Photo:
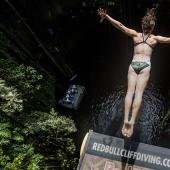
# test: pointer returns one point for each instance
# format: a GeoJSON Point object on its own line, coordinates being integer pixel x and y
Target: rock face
{"type": "Point", "coordinates": [107, 115]}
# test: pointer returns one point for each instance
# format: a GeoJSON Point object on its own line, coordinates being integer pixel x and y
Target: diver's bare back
{"type": "Point", "coordinates": [143, 50]}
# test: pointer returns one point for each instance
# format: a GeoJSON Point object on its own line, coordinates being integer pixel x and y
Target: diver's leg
{"type": "Point", "coordinates": [132, 78]}
{"type": "Point", "coordinates": [141, 84]}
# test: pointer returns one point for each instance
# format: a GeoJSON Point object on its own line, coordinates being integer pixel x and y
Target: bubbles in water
{"type": "Point", "coordinates": [107, 114]}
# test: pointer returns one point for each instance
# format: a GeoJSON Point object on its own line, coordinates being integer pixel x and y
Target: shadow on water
{"type": "Point", "coordinates": [107, 115]}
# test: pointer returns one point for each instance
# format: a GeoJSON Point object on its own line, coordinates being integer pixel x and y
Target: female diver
{"type": "Point", "coordinates": [139, 69]}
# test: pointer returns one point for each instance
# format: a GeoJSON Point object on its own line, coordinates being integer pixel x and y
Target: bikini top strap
{"type": "Point", "coordinates": [149, 44]}
{"type": "Point", "coordinates": [144, 40]}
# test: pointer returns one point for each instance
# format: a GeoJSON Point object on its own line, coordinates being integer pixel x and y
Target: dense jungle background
{"type": "Point", "coordinates": [45, 46]}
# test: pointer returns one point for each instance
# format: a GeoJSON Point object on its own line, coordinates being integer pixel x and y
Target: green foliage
{"type": "Point", "coordinates": [14, 154]}
{"type": "Point", "coordinates": [25, 78]}
{"type": "Point", "coordinates": [53, 133]}
{"type": "Point", "coordinates": [29, 128]}
{"type": "Point", "coordinates": [41, 121]}
{"type": "Point", "coordinates": [35, 87]}
{"type": "Point", "coordinates": [11, 100]}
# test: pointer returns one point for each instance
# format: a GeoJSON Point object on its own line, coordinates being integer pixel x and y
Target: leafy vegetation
{"type": "Point", "coordinates": [31, 131]}
{"type": "Point", "coordinates": [11, 100]}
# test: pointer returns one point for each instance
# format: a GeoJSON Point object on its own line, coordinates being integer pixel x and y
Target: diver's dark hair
{"type": "Point", "coordinates": [150, 17]}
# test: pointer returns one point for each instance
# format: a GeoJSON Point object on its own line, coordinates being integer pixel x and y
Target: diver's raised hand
{"type": "Point", "coordinates": [102, 13]}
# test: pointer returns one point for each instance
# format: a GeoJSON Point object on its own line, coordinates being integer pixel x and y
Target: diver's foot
{"type": "Point", "coordinates": [130, 132]}
{"type": "Point", "coordinates": [127, 129]}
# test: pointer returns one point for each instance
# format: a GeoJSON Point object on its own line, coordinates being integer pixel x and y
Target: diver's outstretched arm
{"type": "Point", "coordinates": [161, 39]}
{"type": "Point", "coordinates": [103, 14]}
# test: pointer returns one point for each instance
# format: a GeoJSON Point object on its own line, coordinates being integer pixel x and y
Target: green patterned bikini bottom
{"type": "Point", "coordinates": [139, 65]}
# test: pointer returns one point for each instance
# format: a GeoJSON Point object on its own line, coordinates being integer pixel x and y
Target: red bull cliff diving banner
{"type": "Point", "coordinates": [101, 152]}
